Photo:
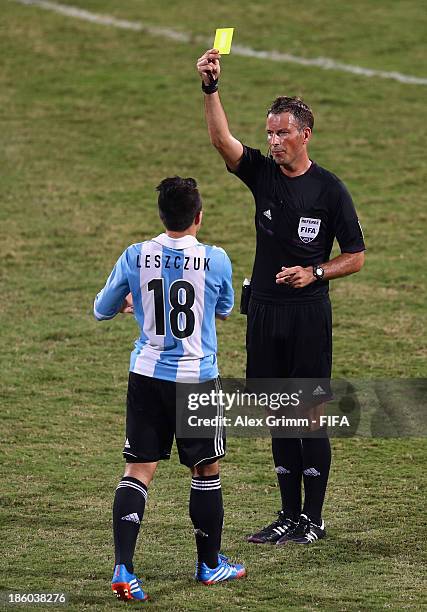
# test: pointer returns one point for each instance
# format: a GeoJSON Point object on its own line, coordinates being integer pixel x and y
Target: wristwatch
{"type": "Point", "coordinates": [318, 272]}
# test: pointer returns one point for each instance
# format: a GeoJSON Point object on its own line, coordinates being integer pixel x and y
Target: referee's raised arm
{"type": "Point", "coordinates": [231, 150]}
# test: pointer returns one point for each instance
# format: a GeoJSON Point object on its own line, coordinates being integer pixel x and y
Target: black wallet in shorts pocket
{"type": "Point", "coordinates": [246, 294]}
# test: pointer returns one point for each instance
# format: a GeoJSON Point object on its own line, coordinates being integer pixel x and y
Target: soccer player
{"type": "Point", "coordinates": [177, 287]}
{"type": "Point", "coordinates": [300, 209]}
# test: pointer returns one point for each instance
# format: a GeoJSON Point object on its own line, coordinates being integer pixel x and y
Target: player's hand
{"type": "Point", "coordinates": [127, 306]}
{"type": "Point", "coordinates": [296, 277]}
{"type": "Point", "coordinates": [208, 65]}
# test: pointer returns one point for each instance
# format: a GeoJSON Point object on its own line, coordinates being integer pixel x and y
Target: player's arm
{"type": "Point", "coordinates": [342, 265]}
{"type": "Point", "coordinates": [225, 301]}
{"type": "Point", "coordinates": [112, 299]}
{"type": "Point", "coordinates": [127, 306]}
{"type": "Point", "coordinates": [231, 150]}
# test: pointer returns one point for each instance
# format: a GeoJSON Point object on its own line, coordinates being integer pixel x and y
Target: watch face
{"type": "Point", "coordinates": [319, 272]}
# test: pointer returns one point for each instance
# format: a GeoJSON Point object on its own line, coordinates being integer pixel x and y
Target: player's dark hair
{"type": "Point", "coordinates": [302, 113]}
{"type": "Point", "coordinates": [179, 202]}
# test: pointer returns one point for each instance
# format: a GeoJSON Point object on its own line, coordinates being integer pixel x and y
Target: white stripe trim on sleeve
{"type": "Point", "coordinates": [98, 315]}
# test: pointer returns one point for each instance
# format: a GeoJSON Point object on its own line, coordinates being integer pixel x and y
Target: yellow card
{"type": "Point", "coordinates": [223, 38]}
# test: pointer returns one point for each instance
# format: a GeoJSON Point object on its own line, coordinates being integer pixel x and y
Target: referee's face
{"type": "Point", "coordinates": [287, 143]}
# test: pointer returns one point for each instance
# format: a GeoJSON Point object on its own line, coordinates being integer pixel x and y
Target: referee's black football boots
{"type": "Point", "coordinates": [273, 532]}
{"type": "Point", "coordinates": [306, 532]}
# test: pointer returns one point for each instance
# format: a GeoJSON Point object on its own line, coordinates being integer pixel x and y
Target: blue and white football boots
{"type": "Point", "coordinates": [127, 586]}
{"type": "Point", "coordinates": [221, 573]}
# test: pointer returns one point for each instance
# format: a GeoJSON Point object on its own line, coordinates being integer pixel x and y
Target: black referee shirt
{"type": "Point", "coordinates": [296, 221]}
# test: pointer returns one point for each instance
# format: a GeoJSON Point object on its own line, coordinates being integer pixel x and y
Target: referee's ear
{"type": "Point", "coordinates": [307, 134]}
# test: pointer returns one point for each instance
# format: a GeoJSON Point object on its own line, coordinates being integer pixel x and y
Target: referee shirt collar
{"type": "Point", "coordinates": [176, 243]}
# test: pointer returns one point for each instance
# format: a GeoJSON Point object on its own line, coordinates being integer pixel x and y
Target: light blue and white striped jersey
{"type": "Point", "coordinates": [178, 285]}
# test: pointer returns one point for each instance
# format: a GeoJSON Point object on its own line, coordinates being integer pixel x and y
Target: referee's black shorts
{"type": "Point", "coordinates": [151, 424]}
{"type": "Point", "coordinates": [292, 340]}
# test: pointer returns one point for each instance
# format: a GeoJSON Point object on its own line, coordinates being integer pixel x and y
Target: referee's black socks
{"type": "Point", "coordinates": [128, 510]}
{"type": "Point", "coordinates": [307, 459]}
{"type": "Point", "coordinates": [207, 515]}
{"type": "Point", "coordinates": [287, 455]}
{"type": "Point", "coordinates": [316, 454]}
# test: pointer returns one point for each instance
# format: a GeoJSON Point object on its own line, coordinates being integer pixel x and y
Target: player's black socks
{"type": "Point", "coordinates": [316, 461]}
{"type": "Point", "coordinates": [128, 510]}
{"type": "Point", "coordinates": [287, 455]}
{"type": "Point", "coordinates": [207, 514]}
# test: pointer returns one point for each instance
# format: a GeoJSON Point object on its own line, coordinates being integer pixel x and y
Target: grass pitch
{"type": "Point", "coordinates": [91, 119]}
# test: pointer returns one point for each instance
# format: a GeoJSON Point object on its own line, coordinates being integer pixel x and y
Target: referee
{"type": "Point", "coordinates": [300, 209]}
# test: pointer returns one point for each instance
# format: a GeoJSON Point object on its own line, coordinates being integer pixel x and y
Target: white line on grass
{"type": "Point", "coordinates": [275, 56]}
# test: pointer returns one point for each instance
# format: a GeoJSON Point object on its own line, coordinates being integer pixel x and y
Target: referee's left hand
{"type": "Point", "coordinates": [296, 277]}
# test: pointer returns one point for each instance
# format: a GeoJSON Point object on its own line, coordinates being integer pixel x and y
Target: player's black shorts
{"type": "Point", "coordinates": [292, 340]}
{"type": "Point", "coordinates": [151, 424]}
